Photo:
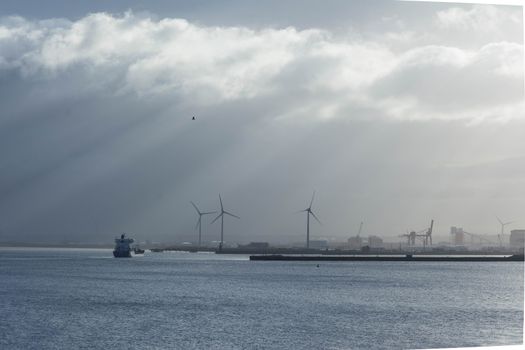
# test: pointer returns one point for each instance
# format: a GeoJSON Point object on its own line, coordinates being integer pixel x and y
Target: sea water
{"type": "Point", "coordinates": [86, 299]}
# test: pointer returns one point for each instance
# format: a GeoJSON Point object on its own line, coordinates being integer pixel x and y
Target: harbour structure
{"type": "Point", "coordinates": [411, 238]}
{"type": "Point", "coordinates": [476, 238]}
{"type": "Point", "coordinates": [319, 244]}
{"type": "Point", "coordinates": [458, 235]}
{"type": "Point", "coordinates": [407, 257]}
{"type": "Point", "coordinates": [255, 245]}
{"type": "Point", "coordinates": [122, 247]}
{"type": "Point", "coordinates": [355, 243]}
{"type": "Point", "coordinates": [221, 216]}
{"type": "Point", "coordinates": [375, 242]}
{"type": "Point", "coordinates": [427, 236]}
{"type": "Point", "coordinates": [424, 235]}
{"type": "Point", "coordinates": [308, 213]}
{"type": "Point", "coordinates": [199, 221]}
{"type": "Point", "coordinates": [517, 239]}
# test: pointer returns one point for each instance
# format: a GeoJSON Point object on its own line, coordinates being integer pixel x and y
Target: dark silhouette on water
{"type": "Point", "coordinates": [122, 247]}
{"type": "Point", "coordinates": [407, 257]}
{"type": "Point", "coordinates": [137, 250]}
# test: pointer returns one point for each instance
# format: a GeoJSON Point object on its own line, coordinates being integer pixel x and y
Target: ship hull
{"type": "Point", "coordinates": [121, 254]}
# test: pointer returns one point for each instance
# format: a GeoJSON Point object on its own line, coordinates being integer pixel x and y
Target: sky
{"type": "Point", "coordinates": [395, 113]}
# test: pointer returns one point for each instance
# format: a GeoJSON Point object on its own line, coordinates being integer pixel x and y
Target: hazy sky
{"type": "Point", "coordinates": [394, 112]}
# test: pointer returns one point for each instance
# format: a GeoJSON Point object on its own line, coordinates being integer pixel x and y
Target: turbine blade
{"type": "Point", "coordinates": [198, 223]}
{"type": "Point", "coordinates": [312, 201]}
{"type": "Point", "coordinates": [315, 217]}
{"type": "Point", "coordinates": [230, 214]}
{"type": "Point", "coordinates": [216, 218]}
{"type": "Point", "coordinates": [208, 212]}
{"type": "Point", "coordinates": [195, 207]}
{"type": "Point", "coordinates": [220, 200]}
{"type": "Point", "coordinates": [501, 222]}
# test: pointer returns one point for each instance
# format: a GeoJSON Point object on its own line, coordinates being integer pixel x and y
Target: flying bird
{"type": "Point", "coordinates": [193, 118]}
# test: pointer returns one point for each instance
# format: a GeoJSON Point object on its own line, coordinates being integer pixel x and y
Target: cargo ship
{"type": "Point", "coordinates": [122, 247]}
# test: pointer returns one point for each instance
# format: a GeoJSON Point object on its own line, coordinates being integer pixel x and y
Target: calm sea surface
{"type": "Point", "coordinates": [86, 299]}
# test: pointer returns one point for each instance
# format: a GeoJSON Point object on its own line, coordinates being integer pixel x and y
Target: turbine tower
{"type": "Point", "coordinates": [221, 215]}
{"type": "Point", "coordinates": [503, 224]}
{"type": "Point", "coordinates": [199, 221]}
{"type": "Point", "coordinates": [308, 213]}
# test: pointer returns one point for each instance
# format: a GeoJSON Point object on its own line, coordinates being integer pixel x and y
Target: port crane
{"type": "Point", "coordinates": [411, 237]}
{"type": "Point", "coordinates": [427, 236]}
{"type": "Point", "coordinates": [424, 235]}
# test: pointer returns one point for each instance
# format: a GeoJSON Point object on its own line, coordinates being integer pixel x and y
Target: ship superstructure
{"type": "Point", "coordinates": [122, 247]}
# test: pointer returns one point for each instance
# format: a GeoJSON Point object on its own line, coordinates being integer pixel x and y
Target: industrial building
{"type": "Point", "coordinates": [255, 245]}
{"type": "Point", "coordinates": [355, 243]}
{"type": "Point", "coordinates": [375, 242]}
{"type": "Point", "coordinates": [319, 244]}
{"type": "Point", "coordinates": [458, 235]}
{"type": "Point", "coordinates": [517, 239]}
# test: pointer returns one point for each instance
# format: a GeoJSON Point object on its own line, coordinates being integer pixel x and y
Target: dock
{"type": "Point", "coordinates": [471, 258]}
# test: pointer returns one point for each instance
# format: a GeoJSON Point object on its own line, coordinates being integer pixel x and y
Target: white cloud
{"type": "Point", "coordinates": [209, 65]}
{"type": "Point", "coordinates": [484, 18]}
{"type": "Point", "coordinates": [227, 62]}
{"type": "Point", "coordinates": [503, 58]}
{"type": "Point", "coordinates": [450, 83]}
{"type": "Point", "coordinates": [478, 25]}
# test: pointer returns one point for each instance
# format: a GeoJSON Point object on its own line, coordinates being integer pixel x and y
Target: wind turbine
{"type": "Point", "coordinates": [221, 215]}
{"type": "Point", "coordinates": [199, 222]}
{"type": "Point", "coordinates": [503, 224]}
{"type": "Point", "coordinates": [308, 213]}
